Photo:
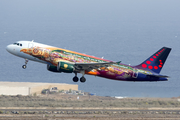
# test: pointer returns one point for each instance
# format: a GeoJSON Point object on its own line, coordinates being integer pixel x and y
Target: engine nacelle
{"type": "Point", "coordinates": [65, 67]}
{"type": "Point", "coordinates": [52, 68]}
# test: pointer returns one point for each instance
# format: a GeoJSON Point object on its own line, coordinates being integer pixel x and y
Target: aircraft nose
{"type": "Point", "coordinates": [10, 49]}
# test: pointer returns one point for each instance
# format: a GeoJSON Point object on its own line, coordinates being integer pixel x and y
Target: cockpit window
{"type": "Point", "coordinates": [18, 44]}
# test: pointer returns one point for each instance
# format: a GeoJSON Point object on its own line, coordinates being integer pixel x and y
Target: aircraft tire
{"type": "Point", "coordinates": [24, 66]}
{"type": "Point", "coordinates": [83, 79]}
{"type": "Point", "coordinates": [75, 79]}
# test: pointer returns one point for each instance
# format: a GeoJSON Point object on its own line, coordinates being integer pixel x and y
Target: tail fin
{"type": "Point", "coordinates": [156, 61]}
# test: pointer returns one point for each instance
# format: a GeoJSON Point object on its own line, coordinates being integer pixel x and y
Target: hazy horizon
{"type": "Point", "coordinates": [128, 31]}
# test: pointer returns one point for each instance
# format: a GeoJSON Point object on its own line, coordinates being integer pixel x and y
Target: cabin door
{"type": "Point", "coordinates": [135, 73]}
{"type": "Point", "coordinates": [30, 44]}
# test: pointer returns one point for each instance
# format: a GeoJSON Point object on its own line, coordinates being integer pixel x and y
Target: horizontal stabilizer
{"type": "Point", "coordinates": [159, 76]}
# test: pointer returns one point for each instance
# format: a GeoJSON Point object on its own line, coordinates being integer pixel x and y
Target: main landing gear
{"type": "Point", "coordinates": [75, 78]}
{"type": "Point", "coordinates": [82, 79]}
{"type": "Point", "coordinates": [24, 66]}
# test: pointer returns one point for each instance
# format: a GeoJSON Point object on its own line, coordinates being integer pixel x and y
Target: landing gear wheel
{"type": "Point", "coordinates": [24, 66]}
{"type": "Point", "coordinates": [75, 79]}
{"type": "Point", "coordinates": [83, 79]}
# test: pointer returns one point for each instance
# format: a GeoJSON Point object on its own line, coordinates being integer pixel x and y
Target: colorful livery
{"type": "Point", "coordinates": [62, 60]}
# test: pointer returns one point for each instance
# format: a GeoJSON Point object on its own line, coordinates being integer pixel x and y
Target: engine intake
{"type": "Point", "coordinates": [52, 68]}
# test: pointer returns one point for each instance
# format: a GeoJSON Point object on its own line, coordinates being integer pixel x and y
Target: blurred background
{"type": "Point", "coordinates": [128, 31]}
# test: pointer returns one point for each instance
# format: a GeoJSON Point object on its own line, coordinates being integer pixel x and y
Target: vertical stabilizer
{"type": "Point", "coordinates": [156, 61]}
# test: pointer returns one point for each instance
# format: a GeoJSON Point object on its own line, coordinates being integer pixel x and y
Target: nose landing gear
{"type": "Point", "coordinates": [24, 66]}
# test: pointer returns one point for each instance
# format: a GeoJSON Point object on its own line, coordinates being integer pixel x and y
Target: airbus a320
{"type": "Point", "coordinates": [62, 60]}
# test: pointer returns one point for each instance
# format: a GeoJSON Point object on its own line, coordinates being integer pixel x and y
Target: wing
{"type": "Point", "coordinates": [91, 66]}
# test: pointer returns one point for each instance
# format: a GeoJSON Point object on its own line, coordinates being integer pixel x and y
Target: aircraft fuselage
{"type": "Point", "coordinates": [62, 60]}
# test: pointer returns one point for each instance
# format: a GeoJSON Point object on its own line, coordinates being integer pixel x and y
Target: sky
{"type": "Point", "coordinates": [119, 30]}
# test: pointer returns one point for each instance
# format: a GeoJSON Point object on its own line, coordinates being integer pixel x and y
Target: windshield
{"type": "Point", "coordinates": [18, 44]}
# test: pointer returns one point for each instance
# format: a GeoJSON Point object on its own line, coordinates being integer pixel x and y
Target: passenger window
{"type": "Point", "coordinates": [20, 44]}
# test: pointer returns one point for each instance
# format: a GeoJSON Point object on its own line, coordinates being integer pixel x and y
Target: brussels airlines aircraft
{"type": "Point", "coordinates": [62, 60]}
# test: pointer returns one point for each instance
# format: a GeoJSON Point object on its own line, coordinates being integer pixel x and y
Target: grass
{"type": "Point", "coordinates": [37, 101]}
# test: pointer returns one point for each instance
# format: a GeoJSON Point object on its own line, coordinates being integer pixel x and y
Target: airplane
{"type": "Point", "coordinates": [62, 60]}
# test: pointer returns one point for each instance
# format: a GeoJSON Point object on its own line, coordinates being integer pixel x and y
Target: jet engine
{"type": "Point", "coordinates": [65, 67]}
{"type": "Point", "coordinates": [52, 68]}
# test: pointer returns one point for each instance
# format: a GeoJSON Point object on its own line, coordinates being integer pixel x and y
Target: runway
{"type": "Point", "coordinates": [89, 113]}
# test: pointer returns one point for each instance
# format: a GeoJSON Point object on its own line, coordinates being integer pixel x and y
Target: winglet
{"type": "Point", "coordinates": [118, 62]}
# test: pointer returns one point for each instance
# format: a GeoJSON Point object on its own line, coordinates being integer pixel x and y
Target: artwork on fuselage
{"type": "Point", "coordinates": [55, 55]}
